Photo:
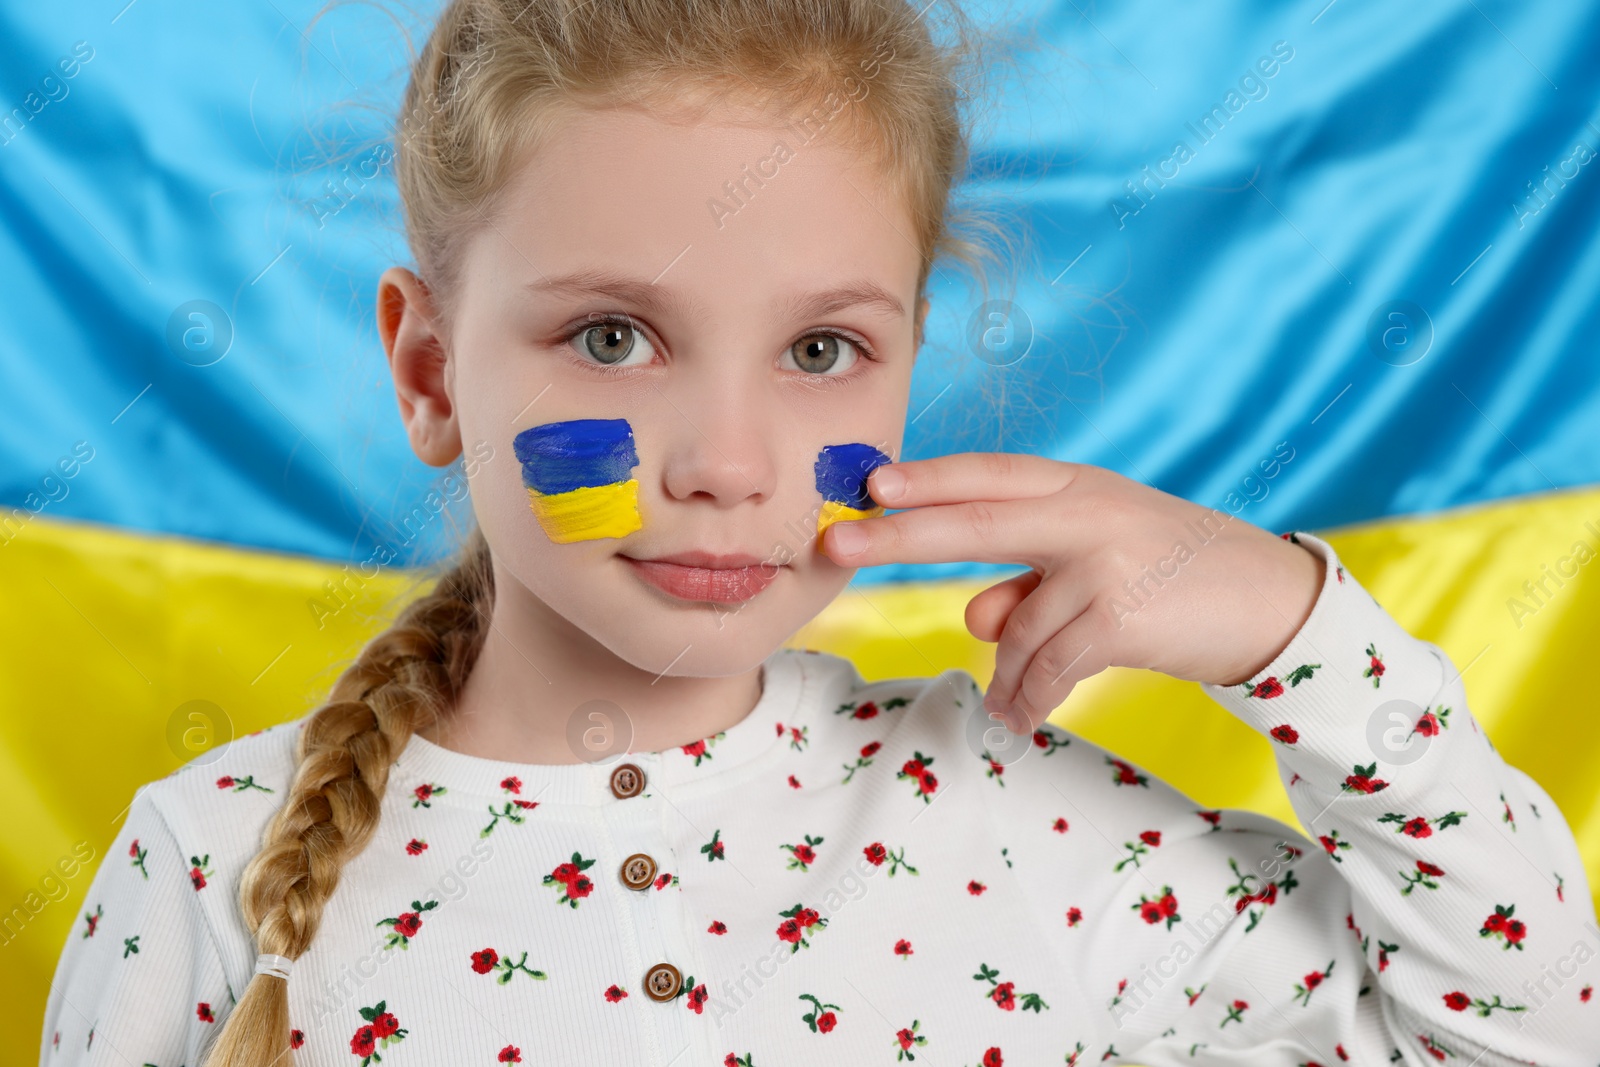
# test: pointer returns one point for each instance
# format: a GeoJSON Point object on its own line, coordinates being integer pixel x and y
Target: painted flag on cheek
{"type": "Point", "coordinates": [579, 478]}
{"type": "Point", "coordinates": [842, 480]}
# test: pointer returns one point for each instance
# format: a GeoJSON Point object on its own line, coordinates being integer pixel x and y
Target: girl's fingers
{"type": "Point", "coordinates": [1032, 624]}
{"type": "Point", "coordinates": [1080, 650]}
{"type": "Point", "coordinates": [969, 476]}
{"type": "Point", "coordinates": [983, 531]}
{"type": "Point", "coordinates": [987, 612]}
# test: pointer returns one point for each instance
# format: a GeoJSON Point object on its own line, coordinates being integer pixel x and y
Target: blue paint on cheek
{"type": "Point", "coordinates": [842, 474]}
{"type": "Point", "coordinates": [559, 457]}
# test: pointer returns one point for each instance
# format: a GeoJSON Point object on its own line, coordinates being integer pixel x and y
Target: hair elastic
{"type": "Point", "coordinates": [277, 966]}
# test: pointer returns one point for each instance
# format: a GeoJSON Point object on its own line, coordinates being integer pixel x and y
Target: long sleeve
{"type": "Point", "coordinates": [139, 980]}
{"type": "Point", "coordinates": [1440, 915]}
{"type": "Point", "coordinates": [1457, 875]}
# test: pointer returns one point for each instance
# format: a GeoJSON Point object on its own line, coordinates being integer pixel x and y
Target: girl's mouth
{"type": "Point", "coordinates": [702, 576]}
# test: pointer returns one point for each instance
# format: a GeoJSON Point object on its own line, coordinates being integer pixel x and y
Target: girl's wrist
{"type": "Point", "coordinates": [1292, 590]}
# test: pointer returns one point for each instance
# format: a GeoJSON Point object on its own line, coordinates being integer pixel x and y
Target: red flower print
{"type": "Point", "coordinates": [364, 1044]}
{"type": "Point", "coordinates": [794, 783]}
{"type": "Point", "coordinates": [416, 846]}
{"type": "Point", "coordinates": [976, 887]}
{"type": "Point", "coordinates": [712, 850]}
{"type": "Point", "coordinates": [876, 853]}
{"type": "Point", "coordinates": [512, 784]}
{"type": "Point", "coordinates": [991, 1058]}
{"type": "Point", "coordinates": [1303, 988]}
{"type": "Point", "coordinates": [198, 871]}
{"type": "Point", "coordinates": [382, 1030]}
{"type": "Point", "coordinates": [1364, 780]}
{"type": "Point", "coordinates": [203, 1010]}
{"type": "Point", "coordinates": [406, 925]}
{"type": "Point", "coordinates": [1285, 734]}
{"type": "Point", "coordinates": [1150, 837]}
{"type": "Point", "coordinates": [484, 960]}
{"type": "Point", "coordinates": [615, 993]}
{"type": "Point", "coordinates": [297, 1038]}
{"type": "Point", "coordinates": [1267, 688]}
{"type": "Point", "coordinates": [803, 855]}
{"type": "Point", "coordinates": [1457, 1001]}
{"type": "Point", "coordinates": [870, 749]}
{"type": "Point", "coordinates": [821, 1017]}
{"type": "Point", "coordinates": [1074, 916]}
{"type": "Point", "coordinates": [1212, 817]}
{"type": "Point", "coordinates": [663, 880]}
{"type": "Point", "coordinates": [799, 923]}
{"type": "Point", "coordinates": [1417, 827]}
{"type": "Point", "coordinates": [1375, 667]}
{"type": "Point", "coordinates": [575, 884]}
{"type": "Point", "coordinates": [697, 749]}
{"type": "Point", "coordinates": [1424, 876]}
{"type": "Point", "coordinates": [902, 948]}
{"type": "Point", "coordinates": [1585, 993]}
{"type": "Point", "coordinates": [1163, 908]}
{"type": "Point", "coordinates": [509, 1054]}
{"type": "Point", "coordinates": [224, 782]}
{"type": "Point", "coordinates": [424, 793]}
{"type": "Point", "coordinates": [133, 849]}
{"type": "Point", "coordinates": [717, 927]}
{"type": "Point", "coordinates": [696, 1000]}
{"type": "Point", "coordinates": [1126, 774]}
{"type": "Point", "coordinates": [916, 769]}
{"type": "Point", "coordinates": [868, 710]}
{"type": "Point", "coordinates": [1004, 996]}
{"type": "Point", "coordinates": [1060, 826]}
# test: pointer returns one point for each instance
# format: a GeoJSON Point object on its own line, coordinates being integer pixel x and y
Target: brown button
{"type": "Point", "coordinates": [626, 781]}
{"type": "Point", "coordinates": [662, 982]}
{"type": "Point", "coordinates": [638, 871]}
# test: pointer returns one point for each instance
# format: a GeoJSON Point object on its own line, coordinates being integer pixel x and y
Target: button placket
{"type": "Point", "coordinates": [663, 977]}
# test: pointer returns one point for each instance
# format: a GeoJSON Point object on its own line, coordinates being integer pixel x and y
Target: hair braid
{"type": "Point", "coordinates": [404, 679]}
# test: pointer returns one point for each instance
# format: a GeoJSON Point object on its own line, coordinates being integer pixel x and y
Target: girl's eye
{"type": "Point", "coordinates": [823, 354]}
{"type": "Point", "coordinates": [611, 342]}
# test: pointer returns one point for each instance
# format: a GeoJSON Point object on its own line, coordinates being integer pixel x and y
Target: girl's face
{"type": "Point", "coordinates": [699, 307]}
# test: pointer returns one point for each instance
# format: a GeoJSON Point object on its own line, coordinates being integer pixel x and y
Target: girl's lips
{"type": "Point", "coordinates": [720, 585]}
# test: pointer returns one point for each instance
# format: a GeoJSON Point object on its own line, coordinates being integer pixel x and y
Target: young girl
{"type": "Point", "coordinates": [577, 805]}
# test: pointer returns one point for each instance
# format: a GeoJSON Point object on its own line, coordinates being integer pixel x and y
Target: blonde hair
{"type": "Point", "coordinates": [488, 83]}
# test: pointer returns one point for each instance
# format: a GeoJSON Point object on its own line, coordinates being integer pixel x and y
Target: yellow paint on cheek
{"type": "Point", "coordinates": [588, 513]}
{"type": "Point", "coordinates": [833, 511]}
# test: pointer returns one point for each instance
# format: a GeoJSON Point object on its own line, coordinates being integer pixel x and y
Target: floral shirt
{"type": "Point", "coordinates": [875, 873]}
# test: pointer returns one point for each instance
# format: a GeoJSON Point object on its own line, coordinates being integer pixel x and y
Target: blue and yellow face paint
{"type": "Point", "coordinates": [842, 480]}
{"type": "Point", "coordinates": [578, 478]}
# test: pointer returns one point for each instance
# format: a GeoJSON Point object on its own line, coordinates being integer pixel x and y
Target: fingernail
{"type": "Point", "coordinates": [848, 540]}
{"type": "Point", "coordinates": [887, 483]}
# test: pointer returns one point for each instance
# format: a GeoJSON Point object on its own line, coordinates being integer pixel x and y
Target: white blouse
{"type": "Point", "coordinates": [876, 873]}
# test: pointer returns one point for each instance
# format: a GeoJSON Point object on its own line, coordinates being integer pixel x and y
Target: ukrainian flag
{"type": "Point", "coordinates": [578, 478]}
{"type": "Point", "coordinates": [841, 472]}
{"type": "Point", "coordinates": [1358, 300]}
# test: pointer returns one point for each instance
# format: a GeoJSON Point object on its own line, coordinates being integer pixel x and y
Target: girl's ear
{"type": "Point", "coordinates": [408, 326]}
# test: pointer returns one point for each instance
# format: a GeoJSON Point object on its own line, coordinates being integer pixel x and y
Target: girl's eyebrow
{"type": "Point", "coordinates": [656, 299]}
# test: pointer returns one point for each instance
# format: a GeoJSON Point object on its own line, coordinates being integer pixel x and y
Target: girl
{"type": "Point", "coordinates": [577, 805]}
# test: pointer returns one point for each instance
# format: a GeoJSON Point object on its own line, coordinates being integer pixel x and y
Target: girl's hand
{"type": "Point", "coordinates": [1122, 574]}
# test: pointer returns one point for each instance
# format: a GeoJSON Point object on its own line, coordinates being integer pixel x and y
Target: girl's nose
{"type": "Point", "coordinates": [718, 443]}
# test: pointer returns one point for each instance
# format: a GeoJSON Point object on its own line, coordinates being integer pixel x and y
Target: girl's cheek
{"type": "Point", "coordinates": [579, 478]}
{"type": "Point", "coordinates": [842, 480]}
